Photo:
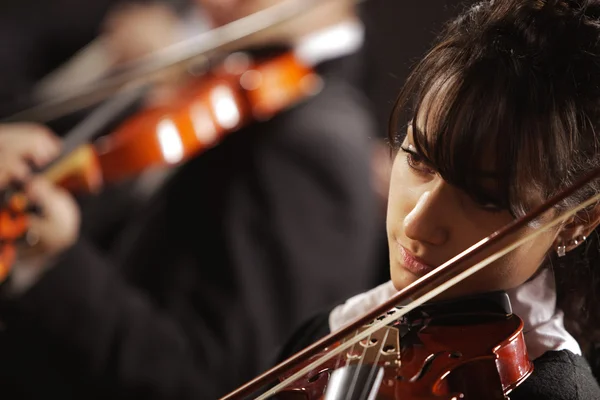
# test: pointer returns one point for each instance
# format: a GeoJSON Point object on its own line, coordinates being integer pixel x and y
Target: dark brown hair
{"type": "Point", "coordinates": [517, 81]}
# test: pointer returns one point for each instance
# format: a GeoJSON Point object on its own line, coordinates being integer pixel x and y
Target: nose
{"type": "Point", "coordinates": [426, 222]}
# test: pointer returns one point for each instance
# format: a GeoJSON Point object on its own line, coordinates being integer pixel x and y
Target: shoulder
{"type": "Point", "coordinates": [559, 375]}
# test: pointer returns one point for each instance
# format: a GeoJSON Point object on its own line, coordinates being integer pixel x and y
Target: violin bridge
{"type": "Point", "coordinates": [381, 347]}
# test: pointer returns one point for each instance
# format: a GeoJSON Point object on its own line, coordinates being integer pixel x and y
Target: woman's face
{"type": "Point", "coordinates": [430, 221]}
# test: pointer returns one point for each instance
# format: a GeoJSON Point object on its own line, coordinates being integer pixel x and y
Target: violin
{"type": "Point", "coordinates": [422, 349]}
{"type": "Point", "coordinates": [428, 354]}
{"type": "Point", "coordinates": [228, 98]}
{"type": "Point", "coordinates": [236, 93]}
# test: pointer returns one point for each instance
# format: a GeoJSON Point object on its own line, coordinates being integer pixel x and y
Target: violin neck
{"type": "Point", "coordinates": [79, 172]}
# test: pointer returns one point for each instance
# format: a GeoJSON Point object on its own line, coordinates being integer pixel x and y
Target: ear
{"type": "Point", "coordinates": [578, 228]}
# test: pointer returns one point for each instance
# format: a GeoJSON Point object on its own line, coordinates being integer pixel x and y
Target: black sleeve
{"type": "Point", "coordinates": [559, 375]}
{"type": "Point", "coordinates": [307, 334]}
{"type": "Point", "coordinates": [95, 332]}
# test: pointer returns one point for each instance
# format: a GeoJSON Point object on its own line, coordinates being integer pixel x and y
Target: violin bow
{"type": "Point", "coordinates": [180, 54]}
{"type": "Point", "coordinates": [439, 280]}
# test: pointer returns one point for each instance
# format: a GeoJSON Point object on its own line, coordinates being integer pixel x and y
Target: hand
{"type": "Point", "coordinates": [21, 146]}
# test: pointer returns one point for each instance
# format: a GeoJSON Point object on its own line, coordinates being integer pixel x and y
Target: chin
{"type": "Point", "coordinates": [401, 278]}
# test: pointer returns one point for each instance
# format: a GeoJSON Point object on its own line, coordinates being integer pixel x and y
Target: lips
{"type": "Point", "coordinates": [412, 263]}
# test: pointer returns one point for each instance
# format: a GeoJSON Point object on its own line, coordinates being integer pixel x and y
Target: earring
{"type": "Point", "coordinates": [561, 250]}
{"type": "Point", "coordinates": [577, 240]}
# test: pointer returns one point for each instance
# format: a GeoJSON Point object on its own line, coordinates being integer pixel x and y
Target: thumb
{"type": "Point", "coordinates": [57, 226]}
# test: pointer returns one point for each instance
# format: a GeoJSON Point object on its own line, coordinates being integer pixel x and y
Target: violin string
{"type": "Point", "coordinates": [359, 365]}
{"type": "Point", "coordinates": [428, 296]}
{"type": "Point", "coordinates": [375, 364]}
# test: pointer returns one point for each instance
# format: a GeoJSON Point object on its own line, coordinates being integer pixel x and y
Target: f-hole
{"type": "Point", "coordinates": [427, 365]}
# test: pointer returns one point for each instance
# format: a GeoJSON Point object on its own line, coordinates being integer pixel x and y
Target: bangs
{"type": "Point", "coordinates": [485, 128]}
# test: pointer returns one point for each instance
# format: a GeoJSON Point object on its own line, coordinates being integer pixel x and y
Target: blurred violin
{"type": "Point", "coordinates": [226, 99]}
{"type": "Point", "coordinates": [452, 350]}
{"type": "Point", "coordinates": [235, 93]}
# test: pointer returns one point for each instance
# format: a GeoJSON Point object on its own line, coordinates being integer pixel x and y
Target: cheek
{"type": "Point", "coordinates": [403, 187]}
{"type": "Point", "coordinates": [530, 256]}
{"type": "Point", "coordinates": [398, 205]}
{"type": "Point", "coordinates": [516, 267]}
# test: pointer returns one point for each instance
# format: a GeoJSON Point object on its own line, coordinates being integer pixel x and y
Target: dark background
{"type": "Point", "coordinates": [399, 32]}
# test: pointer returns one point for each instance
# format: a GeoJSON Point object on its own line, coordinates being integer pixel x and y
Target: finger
{"type": "Point", "coordinates": [44, 146]}
{"type": "Point", "coordinates": [40, 194]}
{"type": "Point", "coordinates": [38, 190]}
{"type": "Point", "coordinates": [46, 196]}
{"type": "Point", "coordinates": [44, 149]}
{"type": "Point", "coordinates": [13, 169]}
{"type": "Point", "coordinates": [33, 142]}
{"type": "Point", "coordinates": [57, 226]}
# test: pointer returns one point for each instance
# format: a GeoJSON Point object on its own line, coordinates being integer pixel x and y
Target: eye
{"type": "Point", "coordinates": [491, 207]}
{"type": "Point", "coordinates": [416, 161]}
{"type": "Point", "coordinates": [489, 204]}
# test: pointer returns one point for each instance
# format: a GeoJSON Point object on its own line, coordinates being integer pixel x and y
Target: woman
{"type": "Point", "coordinates": [501, 114]}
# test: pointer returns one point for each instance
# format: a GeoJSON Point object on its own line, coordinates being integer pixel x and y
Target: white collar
{"type": "Point", "coordinates": [332, 42]}
{"type": "Point", "coordinates": [534, 302]}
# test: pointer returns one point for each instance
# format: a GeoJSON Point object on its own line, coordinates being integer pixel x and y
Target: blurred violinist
{"type": "Point", "coordinates": [501, 114]}
{"type": "Point", "coordinates": [238, 247]}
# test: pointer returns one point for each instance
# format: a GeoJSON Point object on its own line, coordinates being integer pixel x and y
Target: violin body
{"type": "Point", "coordinates": [449, 357]}
{"type": "Point", "coordinates": [226, 99]}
